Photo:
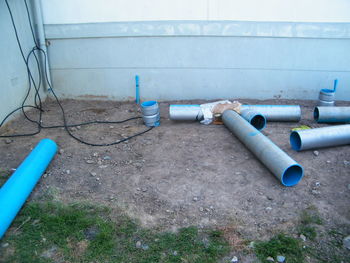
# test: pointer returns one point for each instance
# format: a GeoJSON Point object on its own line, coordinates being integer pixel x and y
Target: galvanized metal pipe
{"type": "Point", "coordinates": [42, 40]}
{"type": "Point", "coordinates": [185, 112]}
{"type": "Point", "coordinates": [332, 114]}
{"type": "Point", "coordinates": [288, 171]}
{"type": "Point", "coordinates": [289, 113]}
{"type": "Point", "coordinates": [320, 137]}
{"type": "Point", "coordinates": [271, 112]}
{"type": "Point", "coordinates": [254, 118]}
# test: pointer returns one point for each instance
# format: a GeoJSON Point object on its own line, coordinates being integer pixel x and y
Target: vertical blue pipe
{"type": "Point", "coordinates": [18, 187]}
{"type": "Point", "coordinates": [335, 85]}
{"type": "Point", "coordinates": [137, 89]}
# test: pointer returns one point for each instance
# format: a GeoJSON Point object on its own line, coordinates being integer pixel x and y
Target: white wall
{"type": "Point", "coordinates": [88, 11]}
{"type": "Point", "coordinates": [13, 73]}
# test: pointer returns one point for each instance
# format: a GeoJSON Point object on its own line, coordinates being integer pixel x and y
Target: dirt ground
{"type": "Point", "coordinates": [183, 173]}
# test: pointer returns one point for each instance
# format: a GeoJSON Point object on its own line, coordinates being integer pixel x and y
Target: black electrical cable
{"type": "Point", "coordinates": [37, 95]}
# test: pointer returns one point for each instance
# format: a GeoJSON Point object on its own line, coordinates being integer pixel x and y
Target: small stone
{"type": "Point", "coordinates": [61, 151]}
{"type": "Point", "coordinates": [138, 189]}
{"type": "Point", "coordinates": [95, 154]}
{"type": "Point", "coordinates": [8, 141]}
{"type": "Point", "coordinates": [78, 127]}
{"type": "Point", "coordinates": [138, 165]}
{"type": "Point", "coordinates": [316, 153]}
{"type": "Point", "coordinates": [102, 138]}
{"type": "Point", "coordinates": [302, 237]}
{"type": "Point", "coordinates": [346, 163]}
{"type": "Point", "coordinates": [89, 161]}
{"type": "Point", "coordinates": [73, 129]}
{"type": "Point", "coordinates": [50, 253]}
{"type": "Point", "coordinates": [346, 242]}
{"type": "Point", "coordinates": [270, 259]}
{"type": "Point", "coordinates": [93, 174]}
{"type": "Point", "coordinates": [195, 198]}
{"type": "Point", "coordinates": [234, 259]}
{"type": "Point", "coordinates": [144, 189]}
{"type": "Point", "coordinates": [328, 161]}
{"type": "Point", "coordinates": [138, 244]}
{"type": "Point", "coordinates": [97, 178]}
{"type": "Point", "coordinates": [268, 208]}
{"type": "Point", "coordinates": [111, 127]}
{"type": "Point", "coordinates": [201, 209]}
{"type": "Point", "coordinates": [145, 247]}
{"type": "Point", "coordinates": [269, 198]}
{"type": "Point", "coordinates": [238, 173]}
{"type": "Point", "coordinates": [4, 245]}
{"type": "Point", "coordinates": [315, 192]}
{"type": "Point", "coordinates": [107, 157]}
{"type": "Point", "coordinates": [280, 259]}
{"type": "Point", "coordinates": [103, 166]}
{"type": "Point", "coordinates": [251, 244]}
{"type": "Point", "coordinates": [67, 171]}
{"type": "Point", "coordinates": [175, 253]}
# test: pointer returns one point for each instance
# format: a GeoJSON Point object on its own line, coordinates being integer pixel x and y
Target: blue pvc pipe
{"type": "Point", "coordinates": [18, 187]}
{"type": "Point", "coordinates": [137, 92]}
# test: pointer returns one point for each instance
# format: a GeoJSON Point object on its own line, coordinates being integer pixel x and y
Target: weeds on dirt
{"type": "Point", "coordinates": [51, 232]}
{"type": "Point", "coordinates": [280, 244]}
{"type": "Point", "coordinates": [4, 175]}
{"type": "Point", "coordinates": [309, 218]}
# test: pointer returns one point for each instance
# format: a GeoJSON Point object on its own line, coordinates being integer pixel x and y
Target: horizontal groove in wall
{"type": "Point", "coordinates": [199, 28]}
{"type": "Point", "coordinates": [201, 68]}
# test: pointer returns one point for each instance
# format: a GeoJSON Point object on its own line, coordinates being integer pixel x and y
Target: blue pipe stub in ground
{"type": "Point", "coordinates": [18, 187]}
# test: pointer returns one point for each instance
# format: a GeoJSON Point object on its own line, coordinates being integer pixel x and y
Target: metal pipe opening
{"type": "Point", "coordinates": [292, 175]}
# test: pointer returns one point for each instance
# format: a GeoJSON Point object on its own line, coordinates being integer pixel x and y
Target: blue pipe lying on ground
{"type": "Point", "coordinates": [18, 187]}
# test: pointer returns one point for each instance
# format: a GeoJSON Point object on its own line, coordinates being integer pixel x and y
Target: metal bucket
{"type": "Point", "coordinates": [326, 98]}
{"type": "Point", "coordinates": [152, 120]}
{"type": "Point", "coordinates": [149, 108]}
{"type": "Point", "coordinates": [325, 103]}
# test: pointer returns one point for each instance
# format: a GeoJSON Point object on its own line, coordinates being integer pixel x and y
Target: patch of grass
{"type": "Point", "coordinates": [310, 216]}
{"type": "Point", "coordinates": [51, 232]}
{"type": "Point", "coordinates": [280, 244]}
{"type": "Point", "coordinates": [330, 247]}
{"type": "Point", "coordinates": [308, 231]}
{"type": "Point", "coordinates": [308, 219]}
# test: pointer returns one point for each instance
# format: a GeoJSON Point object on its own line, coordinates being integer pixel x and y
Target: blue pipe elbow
{"type": "Point", "coordinates": [18, 187]}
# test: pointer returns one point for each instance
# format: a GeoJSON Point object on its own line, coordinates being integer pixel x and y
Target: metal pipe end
{"type": "Point", "coordinates": [295, 141]}
{"type": "Point", "coordinates": [258, 121]}
{"type": "Point", "coordinates": [292, 175]}
{"type": "Point", "coordinates": [316, 114]}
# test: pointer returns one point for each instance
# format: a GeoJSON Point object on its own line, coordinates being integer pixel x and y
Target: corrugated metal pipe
{"type": "Point", "coordinates": [332, 114]}
{"type": "Point", "coordinates": [291, 113]}
{"type": "Point", "coordinates": [287, 171]}
{"type": "Point", "coordinates": [320, 137]}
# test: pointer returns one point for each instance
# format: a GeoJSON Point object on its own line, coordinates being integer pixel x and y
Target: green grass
{"type": "Point", "coordinates": [51, 232]}
{"type": "Point", "coordinates": [280, 244]}
{"type": "Point", "coordinates": [309, 219]}
{"type": "Point", "coordinates": [310, 216]}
